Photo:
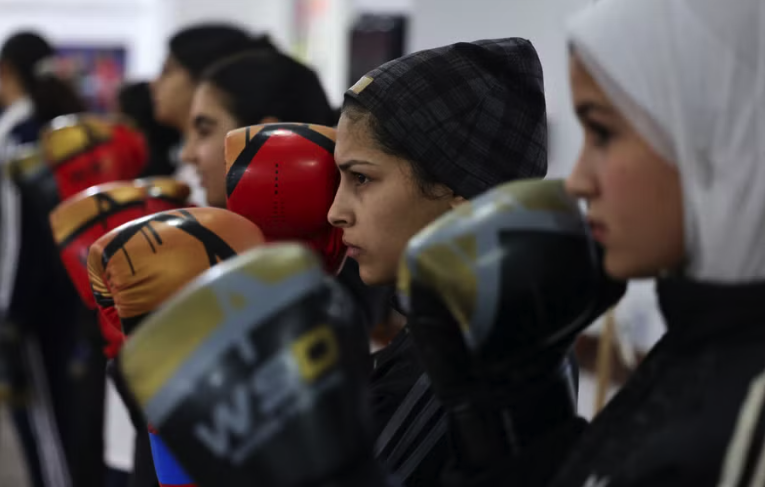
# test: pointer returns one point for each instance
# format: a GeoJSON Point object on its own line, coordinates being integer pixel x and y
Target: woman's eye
{"type": "Point", "coordinates": [360, 178]}
{"type": "Point", "coordinates": [601, 134]}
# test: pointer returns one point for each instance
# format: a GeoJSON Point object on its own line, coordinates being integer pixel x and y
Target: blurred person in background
{"type": "Point", "coordinates": [38, 304]}
{"type": "Point", "coordinates": [134, 101]}
{"type": "Point", "coordinates": [249, 89]}
{"type": "Point", "coordinates": [191, 52]}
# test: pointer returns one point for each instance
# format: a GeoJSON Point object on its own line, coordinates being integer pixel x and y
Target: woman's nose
{"type": "Point", "coordinates": [339, 215]}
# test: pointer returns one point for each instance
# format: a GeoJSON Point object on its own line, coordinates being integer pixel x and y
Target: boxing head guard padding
{"type": "Point", "coordinates": [516, 267]}
{"type": "Point", "coordinates": [256, 370]}
{"type": "Point", "coordinates": [136, 267]}
{"type": "Point", "coordinates": [86, 150]}
{"type": "Point", "coordinates": [283, 178]}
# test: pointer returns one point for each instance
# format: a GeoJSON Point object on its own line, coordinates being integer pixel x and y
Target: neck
{"type": "Point", "coordinates": [11, 93]}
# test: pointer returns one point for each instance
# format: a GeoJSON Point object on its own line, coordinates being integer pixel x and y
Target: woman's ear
{"type": "Point", "coordinates": [269, 119]}
{"type": "Point", "coordinates": [456, 201]}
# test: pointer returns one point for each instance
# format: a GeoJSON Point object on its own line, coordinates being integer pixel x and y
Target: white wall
{"type": "Point", "coordinates": [272, 16]}
{"type": "Point", "coordinates": [144, 26]}
{"type": "Point", "coordinates": [439, 22]}
{"type": "Point", "coordinates": [384, 6]}
{"type": "Point", "coordinates": [129, 23]}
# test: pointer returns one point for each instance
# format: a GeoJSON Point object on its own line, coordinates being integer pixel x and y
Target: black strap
{"type": "Point", "coordinates": [407, 440]}
{"type": "Point", "coordinates": [422, 450]}
{"type": "Point", "coordinates": [397, 420]}
{"type": "Point", "coordinates": [422, 419]}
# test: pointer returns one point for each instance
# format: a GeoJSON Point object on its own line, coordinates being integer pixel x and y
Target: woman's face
{"type": "Point", "coordinates": [634, 195]}
{"type": "Point", "coordinates": [172, 93]}
{"type": "Point", "coordinates": [378, 204]}
{"type": "Point", "coordinates": [205, 142]}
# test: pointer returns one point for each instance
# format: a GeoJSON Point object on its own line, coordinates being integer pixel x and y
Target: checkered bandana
{"type": "Point", "coordinates": [473, 114]}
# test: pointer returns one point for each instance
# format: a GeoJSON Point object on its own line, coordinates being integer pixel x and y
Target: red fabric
{"type": "Point", "coordinates": [111, 330]}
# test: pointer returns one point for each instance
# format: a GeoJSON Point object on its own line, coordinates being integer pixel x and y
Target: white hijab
{"type": "Point", "coordinates": [690, 76]}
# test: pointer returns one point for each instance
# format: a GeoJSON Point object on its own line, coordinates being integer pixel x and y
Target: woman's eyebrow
{"type": "Point", "coordinates": [201, 120]}
{"type": "Point", "coordinates": [348, 165]}
{"type": "Point", "coordinates": [586, 108]}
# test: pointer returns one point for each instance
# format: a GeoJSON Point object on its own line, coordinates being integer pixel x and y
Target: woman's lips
{"type": "Point", "coordinates": [598, 231]}
{"type": "Point", "coordinates": [353, 252]}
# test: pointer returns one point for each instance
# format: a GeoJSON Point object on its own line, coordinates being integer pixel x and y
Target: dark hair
{"type": "Point", "coordinates": [357, 112]}
{"type": "Point", "coordinates": [197, 48]}
{"type": "Point", "coordinates": [135, 102]}
{"type": "Point", "coordinates": [270, 84]}
{"type": "Point", "coordinates": [26, 53]}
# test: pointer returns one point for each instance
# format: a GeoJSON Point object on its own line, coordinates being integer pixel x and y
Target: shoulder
{"type": "Point", "coordinates": [716, 438]}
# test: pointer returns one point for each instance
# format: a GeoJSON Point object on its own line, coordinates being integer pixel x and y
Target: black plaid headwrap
{"type": "Point", "coordinates": [473, 114]}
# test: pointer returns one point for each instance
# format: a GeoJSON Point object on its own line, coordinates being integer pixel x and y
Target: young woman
{"type": "Point", "coordinates": [670, 95]}
{"type": "Point", "coordinates": [416, 137]}
{"type": "Point", "coordinates": [32, 95]}
{"type": "Point", "coordinates": [247, 89]}
{"type": "Point", "coordinates": [191, 52]}
{"type": "Point", "coordinates": [672, 169]}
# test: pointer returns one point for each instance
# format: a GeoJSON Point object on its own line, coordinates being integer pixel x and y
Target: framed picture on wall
{"type": "Point", "coordinates": [97, 72]}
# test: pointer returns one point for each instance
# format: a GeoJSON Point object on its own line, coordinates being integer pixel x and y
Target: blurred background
{"type": "Point", "coordinates": [103, 44]}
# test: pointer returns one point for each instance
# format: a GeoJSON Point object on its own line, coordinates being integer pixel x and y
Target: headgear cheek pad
{"type": "Point", "coordinates": [283, 178]}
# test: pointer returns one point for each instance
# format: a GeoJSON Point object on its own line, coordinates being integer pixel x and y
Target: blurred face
{"type": "Point", "coordinates": [205, 141]}
{"type": "Point", "coordinates": [378, 204]}
{"type": "Point", "coordinates": [9, 87]}
{"type": "Point", "coordinates": [172, 93]}
{"type": "Point", "coordinates": [634, 195]}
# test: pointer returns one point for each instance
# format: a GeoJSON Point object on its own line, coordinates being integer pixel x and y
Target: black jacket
{"type": "Point", "coordinates": [693, 414]}
{"type": "Point", "coordinates": [398, 377]}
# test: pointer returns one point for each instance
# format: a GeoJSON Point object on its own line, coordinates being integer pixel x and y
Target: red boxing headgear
{"type": "Point", "coordinates": [87, 150]}
{"type": "Point", "coordinates": [283, 178]}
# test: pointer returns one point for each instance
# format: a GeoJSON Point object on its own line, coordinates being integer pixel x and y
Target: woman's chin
{"type": "Point", "coordinates": [373, 277]}
{"type": "Point", "coordinates": [623, 267]}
